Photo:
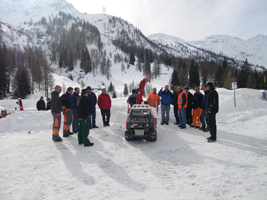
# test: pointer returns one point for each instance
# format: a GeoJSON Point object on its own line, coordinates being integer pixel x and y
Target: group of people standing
{"type": "Point", "coordinates": [78, 111]}
{"type": "Point", "coordinates": [204, 107]}
{"type": "Point", "coordinates": [40, 105]}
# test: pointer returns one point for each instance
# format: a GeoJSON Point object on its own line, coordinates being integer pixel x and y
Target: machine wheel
{"type": "Point", "coordinates": [128, 136]}
{"type": "Point", "coordinates": [152, 136]}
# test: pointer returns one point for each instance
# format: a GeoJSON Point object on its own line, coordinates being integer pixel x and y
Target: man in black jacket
{"type": "Point", "coordinates": [84, 119]}
{"type": "Point", "coordinates": [196, 105]}
{"type": "Point", "coordinates": [189, 106]}
{"type": "Point", "coordinates": [132, 98]}
{"type": "Point", "coordinates": [75, 120]}
{"type": "Point", "coordinates": [56, 109]}
{"type": "Point", "coordinates": [212, 108]}
{"type": "Point", "coordinates": [40, 104]}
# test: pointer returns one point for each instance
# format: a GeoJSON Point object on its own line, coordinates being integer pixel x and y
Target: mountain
{"type": "Point", "coordinates": [253, 49]}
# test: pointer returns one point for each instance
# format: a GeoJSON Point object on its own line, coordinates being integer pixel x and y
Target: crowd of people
{"type": "Point", "coordinates": [198, 110]}
{"type": "Point", "coordinates": [78, 111]}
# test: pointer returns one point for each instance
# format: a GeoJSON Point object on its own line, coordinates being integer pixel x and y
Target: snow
{"type": "Point", "coordinates": [179, 165]}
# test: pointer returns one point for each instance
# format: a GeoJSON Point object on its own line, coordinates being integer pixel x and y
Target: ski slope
{"type": "Point", "coordinates": [179, 165]}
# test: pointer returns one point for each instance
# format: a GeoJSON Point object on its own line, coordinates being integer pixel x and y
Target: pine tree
{"type": "Point", "coordinates": [122, 67]}
{"type": "Point", "coordinates": [218, 81]}
{"type": "Point", "coordinates": [250, 82]}
{"type": "Point", "coordinates": [125, 91]}
{"type": "Point", "coordinates": [147, 69]}
{"type": "Point", "coordinates": [114, 95]}
{"type": "Point", "coordinates": [182, 77]}
{"type": "Point", "coordinates": [21, 83]}
{"type": "Point", "coordinates": [228, 80]}
{"type": "Point", "coordinates": [174, 79]}
{"type": "Point", "coordinates": [132, 58]}
{"type": "Point", "coordinates": [244, 74]}
{"type": "Point", "coordinates": [156, 69]}
{"type": "Point", "coordinates": [108, 72]}
{"type": "Point", "coordinates": [3, 74]}
{"type": "Point", "coordinates": [110, 87]}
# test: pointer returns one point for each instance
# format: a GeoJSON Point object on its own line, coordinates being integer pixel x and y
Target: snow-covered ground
{"type": "Point", "coordinates": [179, 165]}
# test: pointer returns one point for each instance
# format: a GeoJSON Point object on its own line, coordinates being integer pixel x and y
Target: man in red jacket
{"type": "Point", "coordinates": [104, 103]}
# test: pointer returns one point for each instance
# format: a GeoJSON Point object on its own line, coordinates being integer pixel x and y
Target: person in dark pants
{"type": "Point", "coordinates": [48, 105]}
{"type": "Point", "coordinates": [75, 120]}
{"type": "Point", "coordinates": [40, 105]}
{"type": "Point", "coordinates": [189, 106]}
{"type": "Point", "coordinates": [175, 105]}
{"type": "Point", "coordinates": [166, 101]}
{"type": "Point", "coordinates": [56, 109]}
{"type": "Point", "coordinates": [84, 111]}
{"type": "Point", "coordinates": [182, 101]}
{"type": "Point", "coordinates": [204, 112]}
{"type": "Point", "coordinates": [67, 103]}
{"type": "Point", "coordinates": [212, 107]}
{"type": "Point", "coordinates": [104, 103]}
{"type": "Point", "coordinates": [93, 100]}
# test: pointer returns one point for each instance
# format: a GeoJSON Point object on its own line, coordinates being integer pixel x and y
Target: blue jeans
{"type": "Point", "coordinates": [165, 111]}
{"type": "Point", "coordinates": [181, 113]}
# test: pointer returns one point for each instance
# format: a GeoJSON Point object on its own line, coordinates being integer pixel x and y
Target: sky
{"type": "Point", "coordinates": [187, 19]}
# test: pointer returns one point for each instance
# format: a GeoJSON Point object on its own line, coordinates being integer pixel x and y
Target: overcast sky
{"type": "Point", "coordinates": [187, 19]}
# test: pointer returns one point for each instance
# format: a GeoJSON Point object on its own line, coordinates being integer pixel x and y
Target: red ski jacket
{"type": "Point", "coordinates": [104, 101]}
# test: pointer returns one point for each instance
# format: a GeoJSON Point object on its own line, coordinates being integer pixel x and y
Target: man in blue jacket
{"type": "Point", "coordinates": [67, 104]}
{"type": "Point", "coordinates": [75, 120]}
{"type": "Point", "coordinates": [93, 100]}
{"type": "Point", "coordinates": [166, 101]}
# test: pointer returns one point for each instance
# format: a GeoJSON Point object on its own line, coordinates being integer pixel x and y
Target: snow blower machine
{"type": "Point", "coordinates": [141, 122]}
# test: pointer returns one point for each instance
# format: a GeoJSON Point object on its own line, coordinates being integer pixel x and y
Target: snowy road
{"type": "Point", "coordinates": [180, 165]}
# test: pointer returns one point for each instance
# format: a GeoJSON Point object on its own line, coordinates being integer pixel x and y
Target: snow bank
{"type": "Point", "coordinates": [180, 165]}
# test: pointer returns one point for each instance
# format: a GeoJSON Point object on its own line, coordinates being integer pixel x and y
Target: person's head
{"type": "Point", "coordinates": [176, 88]}
{"type": "Point", "coordinates": [89, 89]}
{"type": "Point", "coordinates": [204, 88]}
{"type": "Point", "coordinates": [104, 91]}
{"type": "Point", "coordinates": [48, 100]}
{"type": "Point", "coordinates": [70, 90]}
{"type": "Point", "coordinates": [154, 90]}
{"type": "Point", "coordinates": [209, 86]}
{"type": "Point", "coordinates": [179, 88]}
{"type": "Point", "coordinates": [77, 90]}
{"type": "Point", "coordinates": [41, 98]}
{"type": "Point", "coordinates": [197, 89]}
{"type": "Point", "coordinates": [166, 87]}
{"type": "Point", "coordinates": [57, 88]}
{"type": "Point", "coordinates": [85, 92]}
{"type": "Point", "coordinates": [133, 91]}
{"type": "Point", "coordinates": [186, 89]}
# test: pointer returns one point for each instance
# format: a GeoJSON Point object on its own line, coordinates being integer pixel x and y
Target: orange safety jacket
{"type": "Point", "coordinates": [180, 100]}
{"type": "Point", "coordinates": [153, 99]}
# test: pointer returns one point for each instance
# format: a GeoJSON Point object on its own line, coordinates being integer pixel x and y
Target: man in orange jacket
{"type": "Point", "coordinates": [182, 105]}
{"type": "Point", "coordinates": [153, 99]}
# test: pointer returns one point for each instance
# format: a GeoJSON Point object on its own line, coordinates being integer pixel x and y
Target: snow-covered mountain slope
{"type": "Point", "coordinates": [179, 165]}
{"type": "Point", "coordinates": [253, 49]}
{"type": "Point", "coordinates": [18, 11]}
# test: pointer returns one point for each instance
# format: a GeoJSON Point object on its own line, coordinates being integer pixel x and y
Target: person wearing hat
{"type": "Point", "coordinates": [93, 100]}
{"type": "Point", "coordinates": [132, 98]}
{"type": "Point", "coordinates": [104, 103]}
{"type": "Point", "coordinates": [212, 108]}
{"type": "Point", "coordinates": [84, 111]}
{"type": "Point", "coordinates": [189, 106]}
